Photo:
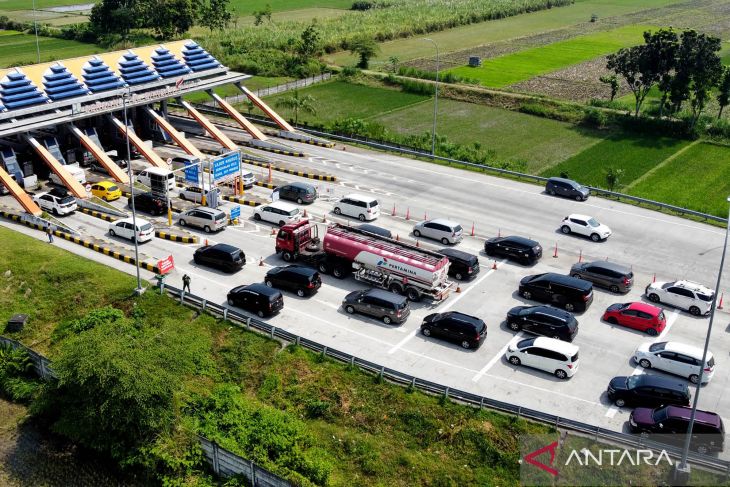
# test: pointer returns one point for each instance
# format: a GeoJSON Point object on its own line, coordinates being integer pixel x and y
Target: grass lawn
{"type": "Point", "coordinates": [247, 7]}
{"type": "Point", "coordinates": [634, 154]}
{"type": "Point", "coordinates": [39, 4]}
{"type": "Point", "coordinates": [499, 30]}
{"type": "Point", "coordinates": [505, 70]}
{"type": "Point", "coordinates": [539, 142]}
{"type": "Point", "coordinates": [17, 49]}
{"type": "Point", "coordinates": [699, 178]}
{"type": "Point", "coordinates": [337, 99]}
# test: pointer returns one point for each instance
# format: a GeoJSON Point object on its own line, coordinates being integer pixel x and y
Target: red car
{"type": "Point", "coordinates": [639, 316]}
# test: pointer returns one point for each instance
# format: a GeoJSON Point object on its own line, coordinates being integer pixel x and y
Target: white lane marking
{"type": "Point", "coordinates": [444, 309]}
{"type": "Point", "coordinates": [639, 369]}
{"type": "Point", "coordinates": [499, 355]}
{"type": "Point", "coordinates": [327, 303]}
{"type": "Point", "coordinates": [550, 392]}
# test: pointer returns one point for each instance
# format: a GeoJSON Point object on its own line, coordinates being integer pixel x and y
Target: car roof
{"type": "Point", "coordinates": [567, 280]}
{"type": "Point", "coordinates": [693, 286]}
{"type": "Point", "coordinates": [282, 205]}
{"type": "Point", "coordinates": [443, 221]}
{"type": "Point", "coordinates": [463, 317]}
{"type": "Point", "coordinates": [299, 184]}
{"type": "Point", "coordinates": [297, 269]}
{"type": "Point", "coordinates": [564, 180]}
{"type": "Point", "coordinates": [140, 221]}
{"type": "Point", "coordinates": [659, 381]}
{"type": "Point", "coordinates": [206, 209]}
{"type": "Point", "coordinates": [556, 345]}
{"type": "Point", "coordinates": [646, 308]}
{"type": "Point", "coordinates": [705, 417]}
{"type": "Point", "coordinates": [367, 227]}
{"type": "Point", "coordinates": [610, 266]}
{"type": "Point", "coordinates": [579, 216]}
{"type": "Point", "coordinates": [157, 170]}
{"type": "Point", "coordinates": [361, 197]}
{"type": "Point", "coordinates": [685, 349]}
{"type": "Point", "coordinates": [552, 311]}
{"type": "Point", "coordinates": [261, 289]}
{"type": "Point", "coordinates": [386, 295]}
{"type": "Point", "coordinates": [457, 254]}
{"type": "Point", "coordinates": [106, 184]}
{"type": "Point", "coordinates": [229, 249]}
{"type": "Point", "coordinates": [516, 239]}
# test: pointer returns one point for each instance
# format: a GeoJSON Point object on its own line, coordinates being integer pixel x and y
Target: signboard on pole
{"type": "Point", "coordinates": [191, 172]}
{"type": "Point", "coordinates": [235, 213]}
{"type": "Point", "coordinates": [166, 265]}
{"type": "Point", "coordinates": [226, 165]}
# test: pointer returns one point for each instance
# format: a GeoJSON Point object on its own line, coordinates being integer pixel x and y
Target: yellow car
{"type": "Point", "coordinates": [106, 190]}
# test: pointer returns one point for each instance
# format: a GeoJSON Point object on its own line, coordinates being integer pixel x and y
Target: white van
{"type": "Point", "coordinates": [278, 213]}
{"type": "Point", "coordinates": [155, 177]}
{"type": "Point", "coordinates": [364, 208]}
{"type": "Point", "coordinates": [676, 358]}
{"type": "Point", "coordinates": [125, 228]}
{"type": "Point", "coordinates": [74, 170]}
{"type": "Point", "coordinates": [549, 354]}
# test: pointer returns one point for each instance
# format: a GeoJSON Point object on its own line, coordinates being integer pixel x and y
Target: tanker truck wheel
{"type": "Point", "coordinates": [413, 294]}
{"type": "Point", "coordinates": [395, 288]}
{"type": "Point", "coordinates": [338, 271]}
{"type": "Point", "coordinates": [323, 267]}
{"type": "Point", "coordinates": [286, 256]}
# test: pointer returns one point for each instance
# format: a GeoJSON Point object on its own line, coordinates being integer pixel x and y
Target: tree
{"type": "Point", "coordinates": [310, 42]}
{"type": "Point", "coordinates": [662, 47]}
{"type": "Point", "coordinates": [612, 82]}
{"type": "Point", "coordinates": [365, 47]}
{"type": "Point", "coordinates": [249, 106]}
{"type": "Point", "coordinates": [635, 66]}
{"type": "Point", "coordinates": [613, 175]}
{"type": "Point", "coordinates": [260, 14]}
{"type": "Point", "coordinates": [215, 15]}
{"type": "Point", "coordinates": [296, 103]}
{"type": "Point", "coordinates": [707, 69]}
{"type": "Point", "coordinates": [171, 18]}
{"type": "Point", "coordinates": [393, 64]}
{"type": "Point", "coordinates": [723, 95]}
{"type": "Point", "coordinates": [114, 16]}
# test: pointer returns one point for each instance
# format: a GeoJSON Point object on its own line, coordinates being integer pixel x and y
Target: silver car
{"type": "Point", "coordinates": [208, 219]}
{"type": "Point", "coordinates": [616, 278]}
{"type": "Point", "coordinates": [445, 231]}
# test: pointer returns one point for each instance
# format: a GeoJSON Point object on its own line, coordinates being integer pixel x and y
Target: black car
{"type": "Point", "coordinates": [563, 291]}
{"type": "Point", "coordinates": [256, 298]}
{"type": "Point", "coordinates": [302, 280]}
{"type": "Point", "coordinates": [383, 232]}
{"type": "Point", "coordinates": [647, 391]}
{"type": "Point", "coordinates": [467, 331]}
{"type": "Point", "coordinates": [149, 203]}
{"type": "Point", "coordinates": [543, 320]}
{"type": "Point", "coordinates": [567, 188]}
{"type": "Point", "coordinates": [463, 265]}
{"type": "Point", "coordinates": [221, 256]}
{"type": "Point", "coordinates": [523, 250]}
{"type": "Point", "coordinates": [299, 192]}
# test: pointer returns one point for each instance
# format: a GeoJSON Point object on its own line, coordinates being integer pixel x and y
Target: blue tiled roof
{"type": "Point", "coordinates": [167, 65]}
{"type": "Point", "coordinates": [135, 71]}
{"type": "Point", "coordinates": [198, 58]}
{"type": "Point", "coordinates": [99, 77]}
{"type": "Point", "coordinates": [18, 91]}
{"type": "Point", "coordinates": [60, 84]}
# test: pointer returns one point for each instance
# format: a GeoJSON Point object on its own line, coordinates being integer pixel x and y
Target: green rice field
{"type": "Point", "coordinates": [17, 49]}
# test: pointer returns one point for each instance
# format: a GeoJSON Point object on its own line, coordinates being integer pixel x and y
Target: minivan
{"type": "Point", "coordinates": [616, 278]}
{"type": "Point", "coordinates": [445, 231]}
{"type": "Point", "coordinates": [383, 232]}
{"type": "Point", "coordinates": [149, 203]}
{"type": "Point", "coordinates": [563, 291]}
{"type": "Point", "coordinates": [299, 192]}
{"type": "Point", "coordinates": [554, 356]}
{"type": "Point", "coordinates": [156, 178]}
{"type": "Point", "coordinates": [647, 391]}
{"type": "Point", "coordinates": [257, 298]}
{"type": "Point", "coordinates": [300, 279]}
{"type": "Point", "coordinates": [543, 320]}
{"type": "Point", "coordinates": [279, 213]}
{"type": "Point", "coordinates": [364, 208]}
{"type": "Point", "coordinates": [463, 266]}
{"type": "Point", "coordinates": [467, 331]}
{"type": "Point", "coordinates": [676, 358]}
{"type": "Point", "coordinates": [195, 193]}
{"type": "Point", "coordinates": [386, 306]}
{"type": "Point", "coordinates": [209, 219]}
{"type": "Point", "coordinates": [221, 256]}
{"type": "Point", "coordinates": [567, 188]}
{"type": "Point", "coordinates": [670, 424]}
{"type": "Point", "coordinates": [523, 250]}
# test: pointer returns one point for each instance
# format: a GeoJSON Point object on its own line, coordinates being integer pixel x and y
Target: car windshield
{"type": "Point", "coordinates": [632, 381]}
{"type": "Point", "coordinates": [457, 228]}
{"type": "Point", "coordinates": [593, 222]}
{"type": "Point", "coordinates": [657, 347]}
{"type": "Point", "coordinates": [660, 415]}
{"type": "Point", "coordinates": [146, 227]}
{"type": "Point", "coordinates": [711, 362]}
{"type": "Point", "coordinates": [113, 188]}
{"type": "Point", "coordinates": [526, 343]}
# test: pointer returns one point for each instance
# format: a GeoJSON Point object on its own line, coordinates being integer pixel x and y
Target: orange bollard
{"type": "Point", "coordinates": [472, 229]}
{"type": "Point", "coordinates": [270, 176]}
{"type": "Point", "coordinates": [555, 254]}
{"type": "Point", "coordinates": [408, 214]}
{"type": "Point", "coordinates": [206, 241]}
{"type": "Point", "coordinates": [719, 306]}
{"type": "Point", "coordinates": [458, 288]}
{"type": "Point", "coordinates": [393, 214]}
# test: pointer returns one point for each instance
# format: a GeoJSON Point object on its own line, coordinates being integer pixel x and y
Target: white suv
{"type": "Point", "coordinates": [278, 213]}
{"type": "Point", "coordinates": [676, 358]}
{"type": "Point", "coordinates": [693, 297]}
{"type": "Point", "coordinates": [585, 225]}
{"type": "Point", "coordinates": [125, 228]}
{"type": "Point", "coordinates": [57, 203]}
{"type": "Point", "coordinates": [549, 354]}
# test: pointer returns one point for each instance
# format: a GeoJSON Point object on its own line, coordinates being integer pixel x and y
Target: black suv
{"type": "Point", "coordinates": [463, 265]}
{"type": "Point", "coordinates": [564, 291]}
{"type": "Point", "coordinates": [671, 423]}
{"type": "Point", "coordinates": [221, 256]}
{"type": "Point", "coordinates": [149, 203]}
{"type": "Point", "coordinates": [567, 188]}
{"type": "Point", "coordinates": [543, 320]}
{"type": "Point", "coordinates": [383, 232]}
{"type": "Point", "coordinates": [647, 391]}
{"type": "Point", "coordinates": [256, 298]}
{"type": "Point", "coordinates": [523, 250]}
{"type": "Point", "coordinates": [467, 331]}
{"type": "Point", "coordinates": [384, 305]}
{"type": "Point", "coordinates": [302, 280]}
{"type": "Point", "coordinates": [298, 192]}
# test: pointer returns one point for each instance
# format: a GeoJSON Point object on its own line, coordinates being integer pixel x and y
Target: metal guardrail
{"type": "Point", "coordinates": [378, 144]}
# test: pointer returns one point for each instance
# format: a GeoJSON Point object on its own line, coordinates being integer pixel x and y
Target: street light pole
{"type": "Point", "coordinates": [435, 99]}
{"type": "Point", "coordinates": [682, 470]}
{"type": "Point", "coordinates": [35, 27]}
{"type": "Point", "coordinates": [139, 289]}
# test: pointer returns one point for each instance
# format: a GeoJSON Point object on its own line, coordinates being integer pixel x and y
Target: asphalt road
{"type": "Point", "coordinates": [652, 243]}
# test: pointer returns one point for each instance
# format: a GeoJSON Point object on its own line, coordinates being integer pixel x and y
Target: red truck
{"type": "Point", "coordinates": [380, 261]}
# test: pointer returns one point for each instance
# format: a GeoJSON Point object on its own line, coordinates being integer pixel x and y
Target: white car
{"type": "Point", "coordinates": [676, 358]}
{"type": "Point", "coordinates": [278, 213]}
{"type": "Point", "coordinates": [585, 225]}
{"type": "Point", "coordinates": [445, 231]}
{"type": "Point", "coordinates": [125, 229]}
{"type": "Point", "coordinates": [687, 295]}
{"type": "Point", "coordinates": [549, 354]}
{"type": "Point", "coordinates": [364, 208]}
{"type": "Point", "coordinates": [56, 202]}
{"type": "Point", "coordinates": [195, 193]}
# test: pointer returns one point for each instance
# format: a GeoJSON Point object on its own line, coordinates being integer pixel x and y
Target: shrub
{"type": "Point", "coordinates": [595, 118]}
{"type": "Point", "coordinates": [17, 377]}
{"type": "Point", "coordinates": [362, 5]}
{"type": "Point", "coordinates": [101, 316]}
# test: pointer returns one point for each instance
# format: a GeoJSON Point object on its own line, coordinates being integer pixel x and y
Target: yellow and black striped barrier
{"type": "Point", "coordinates": [318, 177]}
{"type": "Point", "coordinates": [328, 145]}
{"type": "Point", "coordinates": [265, 185]}
{"type": "Point", "coordinates": [176, 238]}
{"type": "Point", "coordinates": [98, 214]}
{"type": "Point", "coordinates": [241, 201]}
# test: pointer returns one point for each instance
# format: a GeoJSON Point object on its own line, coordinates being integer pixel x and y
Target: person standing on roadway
{"type": "Point", "coordinates": [186, 283]}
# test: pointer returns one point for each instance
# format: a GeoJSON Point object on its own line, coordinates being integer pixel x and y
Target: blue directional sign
{"type": "Point", "coordinates": [191, 172]}
{"type": "Point", "coordinates": [235, 212]}
{"type": "Point", "coordinates": [226, 165]}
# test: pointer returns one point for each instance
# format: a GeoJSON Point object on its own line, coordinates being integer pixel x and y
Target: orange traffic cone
{"type": "Point", "coordinates": [397, 237]}
{"type": "Point", "coordinates": [555, 254]}
{"type": "Point", "coordinates": [580, 256]}
{"type": "Point", "coordinates": [472, 229]}
{"type": "Point", "coordinates": [417, 244]}
{"type": "Point", "coordinates": [719, 306]}
{"type": "Point", "coordinates": [494, 265]}
{"type": "Point", "coordinates": [273, 231]}
{"type": "Point", "coordinates": [324, 218]}
{"type": "Point", "coordinates": [261, 262]}
{"type": "Point", "coordinates": [393, 214]}
{"type": "Point", "coordinates": [206, 241]}
{"type": "Point", "coordinates": [458, 288]}
{"type": "Point", "coordinates": [653, 279]}
{"type": "Point", "coordinates": [408, 214]}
